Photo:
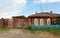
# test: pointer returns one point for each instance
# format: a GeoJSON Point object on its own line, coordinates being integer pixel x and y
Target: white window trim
{"type": "Point", "coordinates": [48, 21]}
{"type": "Point", "coordinates": [41, 21]}
{"type": "Point", "coordinates": [36, 21]}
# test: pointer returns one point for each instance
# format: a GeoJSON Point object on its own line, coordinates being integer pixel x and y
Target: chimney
{"type": "Point", "coordinates": [35, 12]}
{"type": "Point", "coordinates": [51, 11]}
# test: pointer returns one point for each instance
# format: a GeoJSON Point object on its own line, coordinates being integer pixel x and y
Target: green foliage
{"type": "Point", "coordinates": [55, 29]}
{"type": "Point", "coordinates": [57, 21]}
{"type": "Point", "coordinates": [39, 27]}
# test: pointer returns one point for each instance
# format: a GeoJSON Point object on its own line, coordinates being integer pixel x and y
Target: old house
{"type": "Point", "coordinates": [42, 18]}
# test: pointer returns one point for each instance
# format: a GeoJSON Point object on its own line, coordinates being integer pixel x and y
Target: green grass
{"type": "Point", "coordinates": [5, 28]}
{"type": "Point", "coordinates": [55, 31]}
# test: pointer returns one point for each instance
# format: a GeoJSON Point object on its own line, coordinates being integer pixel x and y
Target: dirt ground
{"type": "Point", "coordinates": [18, 33]}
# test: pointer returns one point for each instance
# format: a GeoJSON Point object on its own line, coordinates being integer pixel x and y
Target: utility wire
{"type": "Point", "coordinates": [41, 8]}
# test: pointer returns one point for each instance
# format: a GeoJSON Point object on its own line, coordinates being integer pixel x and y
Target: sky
{"type": "Point", "coordinates": [9, 8]}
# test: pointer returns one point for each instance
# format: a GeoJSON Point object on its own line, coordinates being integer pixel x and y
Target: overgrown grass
{"type": "Point", "coordinates": [53, 30]}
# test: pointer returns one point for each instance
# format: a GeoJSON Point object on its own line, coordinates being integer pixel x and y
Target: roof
{"type": "Point", "coordinates": [18, 16]}
{"type": "Point", "coordinates": [45, 14]}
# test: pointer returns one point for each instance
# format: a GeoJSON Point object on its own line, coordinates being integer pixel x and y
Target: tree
{"type": "Point", "coordinates": [57, 21]}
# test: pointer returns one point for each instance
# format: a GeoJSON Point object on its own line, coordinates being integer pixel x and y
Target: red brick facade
{"type": "Point", "coordinates": [24, 22]}
{"type": "Point", "coordinates": [20, 22]}
{"type": "Point", "coordinates": [42, 18]}
{"type": "Point", "coordinates": [3, 22]}
{"type": "Point", "coordinates": [45, 20]}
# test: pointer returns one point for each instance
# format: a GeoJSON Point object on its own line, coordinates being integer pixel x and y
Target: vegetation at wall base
{"type": "Point", "coordinates": [5, 28]}
{"type": "Point", "coordinates": [57, 21]}
{"type": "Point", "coordinates": [54, 29]}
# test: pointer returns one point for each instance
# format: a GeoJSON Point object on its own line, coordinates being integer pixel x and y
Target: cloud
{"type": "Point", "coordinates": [10, 8]}
{"type": "Point", "coordinates": [45, 1]}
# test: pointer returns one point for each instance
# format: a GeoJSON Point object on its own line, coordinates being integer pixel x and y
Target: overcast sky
{"type": "Point", "coordinates": [9, 8]}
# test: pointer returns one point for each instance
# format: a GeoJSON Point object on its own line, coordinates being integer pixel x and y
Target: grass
{"type": "Point", "coordinates": [5, 28]}
{"type": "Point", "coordinates": [49, 30]}
{"type": "Point", "coordinates": [52, 30]}
{"type": "Point", "coordinates": [55, 31]}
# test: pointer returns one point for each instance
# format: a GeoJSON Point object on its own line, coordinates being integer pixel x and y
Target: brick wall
{"type": "Point", "coordinates": [20, 22]}
{"type": "Point", "coordinates": [10, 23]}
{"type": "Point", "coordinates": [1, 23]}
{"type": "Point", "coordinates": [6, 22]}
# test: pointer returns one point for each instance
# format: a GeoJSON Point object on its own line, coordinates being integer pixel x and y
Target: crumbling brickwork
{"type": "Point", "coordinates": [24, 22]}
{"type": "Point", "coordinates": [3, 22]}
{"type": "Point", "coordinates": [20, 22]}
{"type": "Point", "coordinates": [10, 23]}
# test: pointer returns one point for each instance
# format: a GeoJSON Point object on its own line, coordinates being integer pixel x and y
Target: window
{"type": "Point", "coordinates": [41, 21]}
{"type": "Point", "coordinates": [36, 21]}
{"type": "Point", "coordinates": [48, 21]}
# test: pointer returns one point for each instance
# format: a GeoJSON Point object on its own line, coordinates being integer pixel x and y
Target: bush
{"type": "Point", "coordinates": [38, 27]}
{"type": "Point", "coordinates": [55, 29]}
{"type": "Point", "coordinates": [57, 21]}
